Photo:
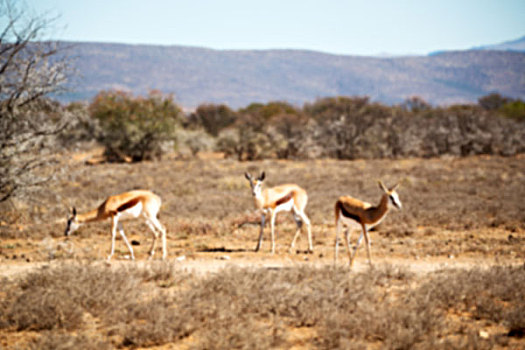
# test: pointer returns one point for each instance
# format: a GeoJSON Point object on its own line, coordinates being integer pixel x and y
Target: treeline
{"type": "Point", "coordinates": [138, 128]}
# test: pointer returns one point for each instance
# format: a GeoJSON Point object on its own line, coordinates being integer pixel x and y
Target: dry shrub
{"type": "Point", "coordinates": [63, 341]}
{"type": "Point", "coordinates": [324, 298]}
{"type": "Point", "coordinates": [155, 322]}
{"type": "Point", "coordinates": [253, 308]}
{"type": "Point", "coordinates": [496, 295]}
{"type": "Point", "coordinates": [250, 308]}
{"type": "Point", "coordinates": [41, 309]}
{"type": "Point", "coordinates": [356, 128]}
{"type": "Point", "coordinates": [57, 297]}
{"type": "Point", "coordinates": [397, 321]}
{"type": "Point", "coordinates": [476, 289]}
{"type": "Point", "coordinates": [163, 274]}
{"type": "Point", "coordinates": [241, 333]}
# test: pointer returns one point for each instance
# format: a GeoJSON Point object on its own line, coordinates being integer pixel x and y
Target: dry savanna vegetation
{"type": "Point", "coordinates": [449, 268]}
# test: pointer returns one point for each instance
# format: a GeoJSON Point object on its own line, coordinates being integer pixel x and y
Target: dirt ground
{"type": "Point", "coordinates": [210, 255]}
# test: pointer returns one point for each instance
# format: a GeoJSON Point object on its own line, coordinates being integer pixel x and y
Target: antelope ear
{"type": "Point", "coordinates": [382, 186]}
{"type": "Point", "coordinates": [263, 175]}
{"type": "Point", "coordinates": [74, 211]}
{"type": "Point", "coordinates": [248, 176]}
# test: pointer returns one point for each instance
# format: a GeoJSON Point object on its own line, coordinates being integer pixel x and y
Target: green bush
{"type": "Point", "coordinates": [135, 128]}
{"type": "Point", "coordinates": [213, 118]}
{"type": "Point", "coordinates": [514, 109]}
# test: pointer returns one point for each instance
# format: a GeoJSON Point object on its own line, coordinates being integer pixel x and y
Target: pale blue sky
{"type": "Point", "coordinates": [351, 27]}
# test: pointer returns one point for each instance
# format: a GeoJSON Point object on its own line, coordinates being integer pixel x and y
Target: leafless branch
{"type": "Point", "coordinates": [30, 70]}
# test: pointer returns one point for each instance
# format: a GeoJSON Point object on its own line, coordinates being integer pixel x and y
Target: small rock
{"type": "Point", "coordinates": [483, 334]}
{"type": "Point", "coordinates": [181, 258]}
{"type": "Point", "coordinates": [224, 257]}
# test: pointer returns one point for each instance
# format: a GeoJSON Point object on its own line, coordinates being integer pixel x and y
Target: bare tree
{"type": "Point", "coordinates": [30, 69]}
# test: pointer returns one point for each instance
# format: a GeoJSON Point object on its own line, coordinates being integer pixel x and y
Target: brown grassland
{"type": "Point", "coordinates": [449, 269]}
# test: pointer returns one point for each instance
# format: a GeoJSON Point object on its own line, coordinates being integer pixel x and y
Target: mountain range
{"type": "Point", "coordinates": [239, 77]}
{"type": "Point", "coordinates": [513, 45]}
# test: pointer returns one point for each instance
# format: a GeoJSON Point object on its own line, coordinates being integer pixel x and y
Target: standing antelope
{"type": "Point", "coordinates": [127, 205]}
{"type": "Point", "coordinates": [349, 211]}
{"type": "Point", "coordinates": [289, 197]}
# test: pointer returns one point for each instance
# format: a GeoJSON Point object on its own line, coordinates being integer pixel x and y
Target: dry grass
{"type": "Point", "coordinates": [454, 193]}
{"type": "Point", "coordinates": [257, 308]}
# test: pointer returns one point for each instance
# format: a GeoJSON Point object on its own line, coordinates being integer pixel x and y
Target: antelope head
{"type": "Point", "coordinates": [392, 194]}
{"type": "Point", "coordinates": [72, 223]}
{"type": "Point", "coordinates": [256, 185]}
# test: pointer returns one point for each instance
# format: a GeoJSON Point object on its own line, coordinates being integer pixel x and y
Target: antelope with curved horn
{"type": "Point", "coordinates": [350, 211]}
{"type": "Point", "coordinates": [127, 205]}
{"type": "Point", "coordinates": [289, 197]}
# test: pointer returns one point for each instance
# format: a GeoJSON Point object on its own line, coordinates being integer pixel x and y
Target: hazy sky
{"type": "Point", "coordinates": [366, 27]}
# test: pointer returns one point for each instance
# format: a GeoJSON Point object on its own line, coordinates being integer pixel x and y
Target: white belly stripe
{"type": "Point", "coordinates": [287, 206]}
{"type": "Point", "coordinates": [132, 212]}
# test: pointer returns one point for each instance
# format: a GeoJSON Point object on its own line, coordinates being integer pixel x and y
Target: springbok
{"type": "Point", "coordinates": [127, 205]}
{"type": "Point", "coordinates": [350, 211]}
{"type": "Point", "coordinates": [289, 197]}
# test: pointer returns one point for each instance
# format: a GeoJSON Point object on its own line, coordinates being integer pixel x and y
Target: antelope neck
{"type": "Point", "coordinates": [92, 215]}
{"type": "Point", "coordinates": [259, 199]}
{"type": "Point", "coordinates": [381, 209]}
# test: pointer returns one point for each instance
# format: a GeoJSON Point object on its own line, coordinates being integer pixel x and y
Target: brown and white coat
{"type": "Point", "coordinates": [351, 212]}
{"type": "Point", "coordinates": [127, 205]}
{"type": "Point", "coordinates": [288, 197]}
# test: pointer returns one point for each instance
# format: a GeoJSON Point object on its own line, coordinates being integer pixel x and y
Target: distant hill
{"type": "Point", "coordinates": [237, 78]}
{"type": "Point", "coordinates": [514, 45]}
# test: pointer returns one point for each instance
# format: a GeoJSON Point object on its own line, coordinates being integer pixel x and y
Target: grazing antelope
{"type": "Point", "coordinates": [127, 205]}
{"type": "Point", "coordinates": [351, 211]}
{"type": "Point", "coordinates": [289, 197]}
